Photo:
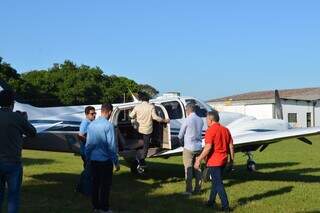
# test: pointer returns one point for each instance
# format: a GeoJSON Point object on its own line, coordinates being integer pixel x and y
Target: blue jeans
{"type": "Point", "coordinates": [217, 186]}
{"type": "Point", "coordinates": [11, 174]}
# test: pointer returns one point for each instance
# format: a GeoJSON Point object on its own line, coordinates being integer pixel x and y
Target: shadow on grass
{"type": "Point", "coordinates": [131, 193]}
{"type": "Point", "coordinates": [257, 197]}
{"type": "Point", "coordinates": [36, 161]}
{"type": "Point", "coordinates": [240, 175]}
{"type": "Point", "coordinates": [53, 192]}
{"type": "Point", "coordinates": [166, 173]}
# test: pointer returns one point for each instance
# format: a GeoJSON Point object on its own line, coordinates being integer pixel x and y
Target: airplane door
{"type": "Point", "coordinates": [165, 135]}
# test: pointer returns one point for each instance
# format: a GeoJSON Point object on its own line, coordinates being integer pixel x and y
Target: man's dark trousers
{"type": "Point", "coordinates": [101, 183]}
{"type": "Point", "coordinates": [144, 152]}
{"type": "Point", "coordinates": [217, 186]}
{"type": "Point", "coordinates": [11, 173]}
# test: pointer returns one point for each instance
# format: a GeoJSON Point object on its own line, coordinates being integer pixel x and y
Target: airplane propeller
{"type": "Point", "coordinates": [278, 106]}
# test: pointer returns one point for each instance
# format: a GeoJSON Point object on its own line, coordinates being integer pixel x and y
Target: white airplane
{"type": "Point", "coordinates": [58, 128]}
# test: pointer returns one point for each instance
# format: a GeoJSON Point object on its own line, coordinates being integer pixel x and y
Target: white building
{"type": "Point", "coordinates": [301, 107]}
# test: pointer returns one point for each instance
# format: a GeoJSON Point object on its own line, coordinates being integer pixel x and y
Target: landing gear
{"type": "Point", "coordinates": [251, 164]}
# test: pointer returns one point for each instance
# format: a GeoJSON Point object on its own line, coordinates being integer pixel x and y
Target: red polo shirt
{"type": "Point", "coordinates": [220, 138]}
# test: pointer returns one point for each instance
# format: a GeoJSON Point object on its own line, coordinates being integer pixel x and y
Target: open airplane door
{"type": "Point", "coordinates": [163, 133]}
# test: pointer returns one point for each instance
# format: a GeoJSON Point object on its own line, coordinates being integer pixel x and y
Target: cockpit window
{"type": "Point", "coordinates": [201, 110]}
{"type": "Point", "coordinates": [174, 109]}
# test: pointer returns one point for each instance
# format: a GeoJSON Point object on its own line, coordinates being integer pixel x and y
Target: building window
{"type": "Point", "coordinates": [292, 117]}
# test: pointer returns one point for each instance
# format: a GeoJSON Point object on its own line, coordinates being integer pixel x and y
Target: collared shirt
{"type": "Point", "coordinates": [144, 114]}
{"type": "Point", "coordinates": [101, 143]}
{"type": "Point", "coordinates": [191, 131]}
{"type": "Point", "coordinates": [220, 137]}
{"type": "Point", "coordinates": [83, 131]}
{"type": "Point", "coordinates": [12, 128]}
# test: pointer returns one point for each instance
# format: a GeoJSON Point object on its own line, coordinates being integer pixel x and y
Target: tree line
{"type": "Point", "coordinates": [70, 84]}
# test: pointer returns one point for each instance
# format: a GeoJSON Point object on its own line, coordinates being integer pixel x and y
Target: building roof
{"type": "Point", "coordinates": [307, 94]}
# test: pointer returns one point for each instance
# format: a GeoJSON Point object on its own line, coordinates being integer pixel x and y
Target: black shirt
{"type": "Point", "coordinates": [12, 128]}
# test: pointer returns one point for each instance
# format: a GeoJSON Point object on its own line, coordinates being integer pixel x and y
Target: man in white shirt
{"type": "Point", "coordinates": [191, 133]}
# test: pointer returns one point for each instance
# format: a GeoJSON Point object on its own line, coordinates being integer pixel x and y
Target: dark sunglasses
{"type": "Point", "coordinates": [92, 113]}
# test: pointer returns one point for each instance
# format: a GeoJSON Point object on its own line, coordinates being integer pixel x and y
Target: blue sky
{"type": "Point", "coordinates": [205, 48]}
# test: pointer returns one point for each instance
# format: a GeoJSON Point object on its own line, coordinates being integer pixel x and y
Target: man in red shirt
{"type": "Point", "coordinates": [218, 146]}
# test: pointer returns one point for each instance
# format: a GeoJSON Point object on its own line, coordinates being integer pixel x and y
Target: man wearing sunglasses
{"type": "Point", "coordinates": [90, 113]}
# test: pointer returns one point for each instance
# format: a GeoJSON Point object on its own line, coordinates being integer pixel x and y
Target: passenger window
{"type": "Point", "coordinates": [123, 116]}
{"type": "Point", "coordinates": [201, 110]}
{"type": "Point", "coordinates": [174, 109]}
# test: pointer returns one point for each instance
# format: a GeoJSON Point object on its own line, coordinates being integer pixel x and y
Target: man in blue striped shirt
{"type": "Point", "coordinates": [191, 133]}
{"type": "Point", "coordinates": [101, 151]}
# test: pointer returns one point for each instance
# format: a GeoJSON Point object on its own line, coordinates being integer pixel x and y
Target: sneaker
{"type": "Point", "coordinates": [140, 169]}
{"type": "Point", "coordinates": [96, 211]}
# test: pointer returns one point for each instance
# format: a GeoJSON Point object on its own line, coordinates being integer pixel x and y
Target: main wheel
{"type": "Point", "coordinates": [251, 166]}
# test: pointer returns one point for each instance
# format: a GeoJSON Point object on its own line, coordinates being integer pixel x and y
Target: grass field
{"type": "Point", "coordinates": [288, 180]}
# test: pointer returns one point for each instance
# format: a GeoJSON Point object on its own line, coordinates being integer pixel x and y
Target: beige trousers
{"type": "Point", "coordinates": [189, 158]}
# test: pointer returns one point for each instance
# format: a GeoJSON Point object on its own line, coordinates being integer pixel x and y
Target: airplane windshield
{"type": "Point", "coordinates": [201, 109]}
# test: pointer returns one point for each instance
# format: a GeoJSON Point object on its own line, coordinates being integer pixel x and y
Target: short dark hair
{"type": "Point", "coordinates": [214, 115]}
{"type": "Point", "coordinates": [6, 98]}
{"type": "Point", "coordinates": [88, 109]}
{"type": "Point", "coordinates": [106, 107]}
{"type": "Point", "coordinates": [143, 96]}
{"type": "Point", "coordinates": [191, 106]}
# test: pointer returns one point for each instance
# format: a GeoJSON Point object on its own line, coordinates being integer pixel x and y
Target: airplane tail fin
{"type": "Point", "coordinates": [278, 106]}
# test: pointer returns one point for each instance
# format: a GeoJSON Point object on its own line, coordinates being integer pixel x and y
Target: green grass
{"type": "Point", "coordinates": [288, 180]}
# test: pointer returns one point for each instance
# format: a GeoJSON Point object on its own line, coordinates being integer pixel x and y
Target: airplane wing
{"type": "Point", "coordinates": [177, 151]}
{"type": "Point", "coordinates": [41, 127]}
{"type": "Point", "coordinates": [264, 138]}
{"type": "Point", "coordinates": [260, 139]}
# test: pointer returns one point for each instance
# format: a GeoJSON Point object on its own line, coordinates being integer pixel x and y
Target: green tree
{"type": "Point", "coordinates": [13, 79]}
{"type": "Point", "coordinates": [70, 84]}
